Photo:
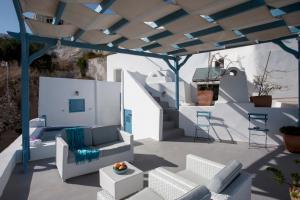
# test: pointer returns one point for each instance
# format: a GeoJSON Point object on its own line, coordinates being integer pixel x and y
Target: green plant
{"type": "Point", "coordinates": [290, 130]}
{"type": "Point", "coordinates": [82, 62]}
{"type": "Point", "coordinates": [294, 185]}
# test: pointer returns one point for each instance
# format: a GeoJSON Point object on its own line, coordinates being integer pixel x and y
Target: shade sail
{"type": "Point", "coordinates": [166, 27]}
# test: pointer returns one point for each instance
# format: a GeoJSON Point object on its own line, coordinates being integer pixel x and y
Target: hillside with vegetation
{"type": "Point", "coordinates": [60, 62]}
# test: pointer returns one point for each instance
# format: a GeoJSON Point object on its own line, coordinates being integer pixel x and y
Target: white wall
{"type": "Point", "coordinates": [233, 89]}
{"type": "Point", "coordinates": [230, 121]}
{"type": "Point", "coordinates": [109, 106]}
{"type": "Point", "coordinates": [253, 58]}
{"type": "Point", "coordinates": [146, 112]}
{"type": "Point", "coordinates": [54, 95]}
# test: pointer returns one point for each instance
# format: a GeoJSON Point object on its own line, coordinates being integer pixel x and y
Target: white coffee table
{"type": "Point", "coordinates": [120, 186]}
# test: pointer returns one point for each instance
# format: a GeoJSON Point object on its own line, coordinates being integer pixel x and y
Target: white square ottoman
{"type": "Point", "coordinates": [120, 186]}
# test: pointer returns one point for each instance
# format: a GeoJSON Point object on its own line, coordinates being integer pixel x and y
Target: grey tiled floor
{"type": "Point", "coordinates": [43, 181]}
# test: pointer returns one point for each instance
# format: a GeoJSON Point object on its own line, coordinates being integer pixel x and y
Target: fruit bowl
{"type": "Point", "coordinates": [120, 168]}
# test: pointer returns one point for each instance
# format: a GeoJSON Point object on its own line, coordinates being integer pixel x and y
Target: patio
{"type": "Point", "coordinates": [43, 181]}
{"type": "Point", "coordinates": [169, 31]}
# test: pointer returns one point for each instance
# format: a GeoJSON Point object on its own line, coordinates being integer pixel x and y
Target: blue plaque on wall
{"type": "Point", "coordinates": [76, 105]}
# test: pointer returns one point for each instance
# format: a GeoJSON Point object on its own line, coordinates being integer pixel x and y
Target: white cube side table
{"type": "Point", "coordinates": [120, 186]}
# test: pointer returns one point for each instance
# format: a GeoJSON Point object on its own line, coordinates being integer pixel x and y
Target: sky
{"type": "Point", "coordinates": [8, 17]}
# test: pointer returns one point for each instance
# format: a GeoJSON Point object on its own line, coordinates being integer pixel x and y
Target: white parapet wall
{"type": "Point", "coordinates": [102, 102]}
{"type": "Point", "coordinates": [229, 121]}
{"type": "Point", "coordinates": [147, 115]}
{"type": "Point", "coordinates": [12, 155]}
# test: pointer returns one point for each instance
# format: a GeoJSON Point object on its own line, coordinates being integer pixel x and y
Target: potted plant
{"type": "Point", "coordinates": [264, 87]}
{"type": "Point", "coordinates": [294, 185]}
{"type": "Point", "coordinates": [291, 136]}
{"type": "Point", "coordinates": [205, 96]}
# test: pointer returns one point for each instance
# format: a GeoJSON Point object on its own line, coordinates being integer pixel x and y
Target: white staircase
{"type": "Point", "coordinates": [170, 121]}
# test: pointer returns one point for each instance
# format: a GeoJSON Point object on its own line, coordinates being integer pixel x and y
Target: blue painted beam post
{"type": "Point", "coordinates": [176, 68]}
{"type": "Point", "coordinates": [24, 85]}
{"type": "Point", "coordinates": [177, 83]}
{"type": "Point", "coordinates": [298, 82]}
{"type": "Point", "coordinates": [25, 108]}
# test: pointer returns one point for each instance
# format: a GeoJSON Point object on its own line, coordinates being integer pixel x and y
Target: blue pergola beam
{"type": "Point", "coordinates": [291, 8]}
{"type": "Point", "coordinates": [118, 41]}
{"type": "Point", "coordinates": [159, 35]}
{"type": "Point", "coordinates": [257, 42]}
{"type": "Point", "coordinates": [236, 40]}
{"type": "Point", "coordinates": [207, 31]}
{"type": "Point", "coordinates": [59, 12]}
{"type": "Point", "coordinates": [51, 41]}
{"type": "Point", "coordinates": [171, 17]}
{"type": "Point", "coordinates": [237, 9]}
{"type": "Point", "coordinates": [24, 86]}
{"type": "Point", "coordinates": [105, 5]}
{"type": "Point", "coordinates": [78, 34]}
{"type": "Point", "coordinates": [151, 46]}
{"type": "Point", "coordinates": [170, 65]}
{"type": "Point", "coordinates": [119, 24]}
{"type": "Point", "coordinates": [176, 51]}
{"type": "Point", "coordinates": [189, 43]}
{"type": "Point", "coordinates": [262, 27]}
{"type": "Point", "coordinates": [184, 61]}
{"type": "Point", "coordinates": [287, 49]}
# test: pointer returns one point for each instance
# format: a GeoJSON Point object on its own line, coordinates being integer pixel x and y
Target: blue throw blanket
{"type": "Point", "coordinates": [75, 139]}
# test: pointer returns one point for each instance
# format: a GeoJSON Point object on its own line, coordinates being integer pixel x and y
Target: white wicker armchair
{"type": "Point", "coordinates": [162, 186]}
{"type": "Point", "coordinates": [200, 171]}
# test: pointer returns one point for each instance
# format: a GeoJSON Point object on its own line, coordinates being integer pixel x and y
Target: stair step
{"type": "Point", "coordinates": [164, 104]}
{"type": "Point", "coordinates": [156, 99]}
{"type": "Point", "coordinates": [168, 125]}
{"type": "Point", "coordinates": [166, 117]}
{"type": "Point", "coordinates": [172, 133]}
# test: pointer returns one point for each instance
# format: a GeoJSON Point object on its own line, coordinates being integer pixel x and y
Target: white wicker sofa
{"type": "Point", "coordinates": [114, 145]}
{"type": "Point", "coordinates": [225, 182]}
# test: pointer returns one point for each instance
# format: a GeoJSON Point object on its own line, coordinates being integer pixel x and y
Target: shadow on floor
{"type": "Point", "coordinates": [200, 140]}
{"type": "Point", "coordinates": [146, 162]}
{"type": "Point", "coordinates": [190, 139]}
{"type": "Point", "coordinates": [262, 180]}
{"type": "Point", "coordinates": [21, 182]}
{"type": "Point", "coordinates": [91, 179]}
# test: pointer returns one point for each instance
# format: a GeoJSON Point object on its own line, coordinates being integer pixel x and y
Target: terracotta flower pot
{"type": "Point", "coordinates": [205, 97]}
{"type": "Point", "coordinates": [294, 193]}
{"type": "Point", "coordinates": [292, 143]}
{"type": "Point", "coordinates": [261, 101]}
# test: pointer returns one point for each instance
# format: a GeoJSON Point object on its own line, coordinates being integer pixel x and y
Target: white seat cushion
{"type": "Point", "coordinates": [224, 177]}
{"type": "Point", "coordinates": [146, 194]}
{"type": "Point", "coordinates": [198, 193]}
{"type": "Point", "coordinates": [113, 148]}
{"type": "Point", "coordinates": [193, 177]}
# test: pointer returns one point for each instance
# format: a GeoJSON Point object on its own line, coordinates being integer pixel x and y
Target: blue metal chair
{"type": "Point", "coordinates": [202, 126]}
{"type": "Point", "coordinates": [257, 130]}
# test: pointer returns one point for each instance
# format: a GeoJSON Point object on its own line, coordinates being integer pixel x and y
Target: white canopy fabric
{"type": "Point", "coordinates": [178, 27]}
